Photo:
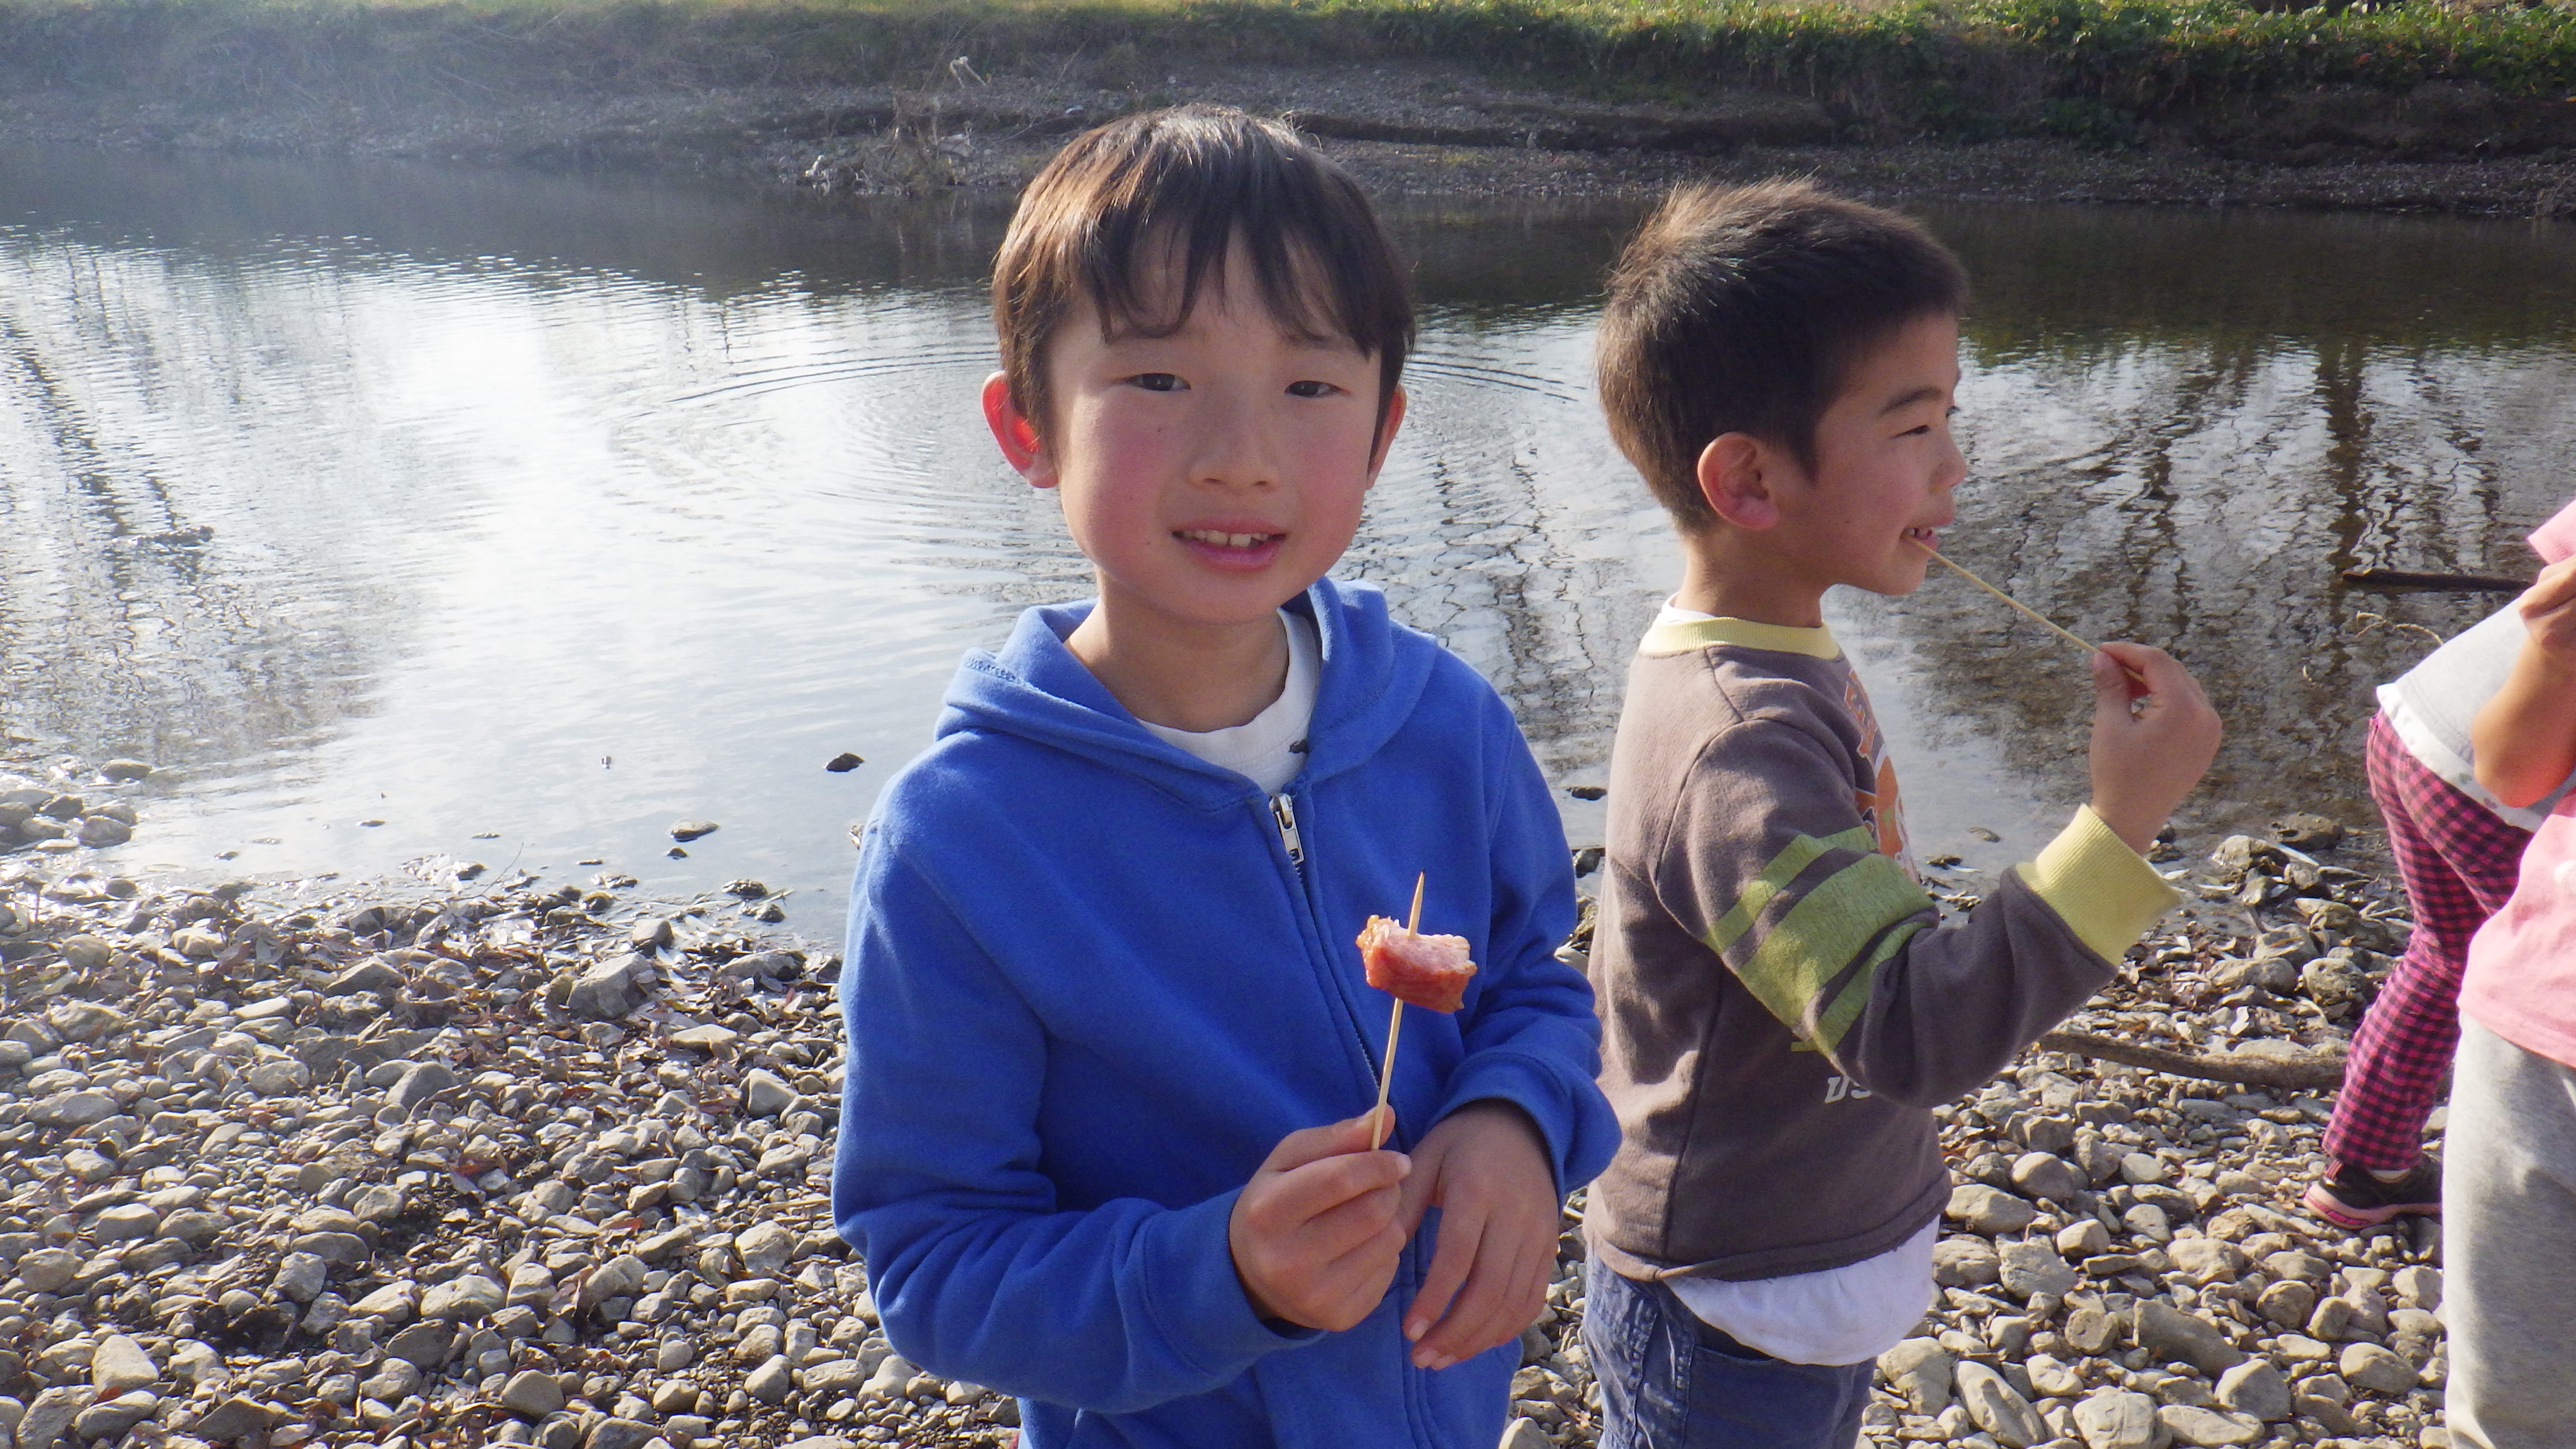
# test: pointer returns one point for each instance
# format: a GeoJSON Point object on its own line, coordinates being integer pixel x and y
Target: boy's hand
{"type": "Point", "coordinates": [1486, 1168]}
{"type": "Point", "coordinates": [1315, 1235]}
{"type": "Point", "coordinates": [2152, 741]}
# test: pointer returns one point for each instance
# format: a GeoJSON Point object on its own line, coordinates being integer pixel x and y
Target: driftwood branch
{"type": "Point", "coordinates": [2463, 583]}
{"type": "Point", "coordinates": [2310, 1073]}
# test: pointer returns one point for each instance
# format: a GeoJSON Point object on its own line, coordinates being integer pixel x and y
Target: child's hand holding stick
{"type": "Point", "coordinates": [2154, 733]}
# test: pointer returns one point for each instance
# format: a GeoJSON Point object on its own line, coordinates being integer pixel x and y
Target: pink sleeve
{"type": "Point", "coordinates": [2556, 539]}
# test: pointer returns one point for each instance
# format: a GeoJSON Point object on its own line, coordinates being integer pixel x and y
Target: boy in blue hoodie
{"type": "Point", "coordinates": [1107, 1142]}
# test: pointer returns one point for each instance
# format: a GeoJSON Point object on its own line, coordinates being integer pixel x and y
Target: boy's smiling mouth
{"type": "Point", "coordinates": [1235, 547]}
{"type": "Point", "coordinates": [1216, 539]}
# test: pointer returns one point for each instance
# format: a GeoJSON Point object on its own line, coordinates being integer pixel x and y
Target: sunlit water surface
{"type": "Point", "coordinates": [527, 516]}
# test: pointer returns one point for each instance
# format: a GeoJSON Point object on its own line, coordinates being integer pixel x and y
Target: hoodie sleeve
{"type": "Point", "coordinates": [936, 1182]}
{"type": "Point", "coordinates": [1534, 1040]}
{"type": "Point", "coordinates": [1769, 864]}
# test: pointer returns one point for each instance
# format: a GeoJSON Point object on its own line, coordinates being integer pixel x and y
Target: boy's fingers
{"type": "Point", "coordinates": [1310, 1192]}
{"type": "Point", "coordinates": [1451, 1262]}
{"type": "Point", "coordinates": [1313, 1144]}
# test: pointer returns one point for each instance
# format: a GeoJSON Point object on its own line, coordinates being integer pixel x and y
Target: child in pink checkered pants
{"type": "Point", "coordinates": [2458, 850]}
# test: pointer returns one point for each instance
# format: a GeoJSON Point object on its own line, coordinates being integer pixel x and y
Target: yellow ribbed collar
{"type": "Point", "coordinates": [1682, 638]}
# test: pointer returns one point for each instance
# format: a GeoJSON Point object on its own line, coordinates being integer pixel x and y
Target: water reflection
{"type": "Point", "coordinates": [527, 515]}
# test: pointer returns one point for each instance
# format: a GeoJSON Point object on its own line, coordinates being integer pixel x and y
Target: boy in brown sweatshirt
{"type": "Point", "coordinates": [1781, 1006]}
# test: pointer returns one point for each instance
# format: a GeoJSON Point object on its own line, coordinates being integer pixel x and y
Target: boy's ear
{"type": "Point", "coordinates": [1738, 477]}
{"type": "Point", "coordinates": [1386, 428]}
{"type": "Point", "coordinates": [1018, 437]}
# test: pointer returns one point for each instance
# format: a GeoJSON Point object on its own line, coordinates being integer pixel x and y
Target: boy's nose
{"type": "Point", "coordinates": [1235, 447]}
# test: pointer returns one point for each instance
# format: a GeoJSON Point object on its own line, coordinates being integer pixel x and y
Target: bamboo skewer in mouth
{"type": "Point", "coordinates": [1394, 1029]}
{"type": "Point", "coordinates": [2035, 616]}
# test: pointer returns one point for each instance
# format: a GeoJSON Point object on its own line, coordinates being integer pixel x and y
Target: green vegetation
{"type": "Point", "coordinates": [2093, 70]}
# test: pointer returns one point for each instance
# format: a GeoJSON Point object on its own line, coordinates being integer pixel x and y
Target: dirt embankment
{"type": "Point", "coordinates": [1408, 122]}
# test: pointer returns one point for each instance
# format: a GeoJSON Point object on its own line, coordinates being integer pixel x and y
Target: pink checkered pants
{"type": "Point", "coordinates": [2458, 863]}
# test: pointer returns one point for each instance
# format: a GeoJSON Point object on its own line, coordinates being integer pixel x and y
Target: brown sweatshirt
{"type": "Point", "coordinates": [1781, 1008]}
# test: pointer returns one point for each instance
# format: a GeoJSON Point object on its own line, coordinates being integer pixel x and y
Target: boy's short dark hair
{"type": "Point", "coordinates": [1741, 310]}
{"type": "Point", "coordinates": [1194, 179]}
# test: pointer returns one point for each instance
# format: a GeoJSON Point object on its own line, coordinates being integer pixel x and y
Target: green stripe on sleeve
{"type": "Point", "coordinates": [1802, 852]}
{"type": "Point", "coordinates": [1847, 1005]}
{"type": "Point", "coordinates": [1828, 929]}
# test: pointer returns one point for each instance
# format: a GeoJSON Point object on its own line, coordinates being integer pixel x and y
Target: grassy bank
{"type": "Point", "coordinates": [2101, 70]}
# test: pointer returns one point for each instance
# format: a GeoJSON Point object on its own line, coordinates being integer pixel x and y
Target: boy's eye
{"type": "Point", "coordinates": [1310, 388]}
{"type": "Point", "coordinates": [1159, 381]}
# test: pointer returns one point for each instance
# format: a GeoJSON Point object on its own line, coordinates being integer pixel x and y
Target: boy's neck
{"type": "Point", "coordinates": [1180, 674]}
{"type": "Point", "coordinates": [1728, 573]}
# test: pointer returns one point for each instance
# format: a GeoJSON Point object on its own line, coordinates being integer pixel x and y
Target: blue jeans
{"type": "Point", "coordinates": [1669, 1381]}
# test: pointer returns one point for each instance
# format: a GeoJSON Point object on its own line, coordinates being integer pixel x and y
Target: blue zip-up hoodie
{"type": "Point", "coordinates": [1091, 984]}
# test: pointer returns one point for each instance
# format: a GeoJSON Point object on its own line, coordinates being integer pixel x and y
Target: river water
{"type": "Point", "coordinates": [409, 515]}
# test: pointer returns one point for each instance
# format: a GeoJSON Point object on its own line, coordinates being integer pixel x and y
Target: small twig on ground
{"type": "Point", "coordinates": [2306, 1074]}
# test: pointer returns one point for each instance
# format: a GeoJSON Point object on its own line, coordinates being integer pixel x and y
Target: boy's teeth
{"type": "Point", "coordinates": [1227, 540]}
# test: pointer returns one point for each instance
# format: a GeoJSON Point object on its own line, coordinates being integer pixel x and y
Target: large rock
{"type": "Point", "coordinates": [302, 1276]}
{"type": "Point", "coordinates": [1965, 1262]}
{"type": "Point", "coordinates": [110, 1419]}
{"type": "Point", "coordinates": [73, 1110]}
{"type": "Point", "coordinates": [120, 1366]}
{"type": "Point", "coordinates": [2368, 1366]}
{"type": "Point", "coordinates": [373, 976]}
{"type": "Point", "coordinates": [284, 1077]}
{"type": "Point", "coordinates": [1921, 1370]}
{"type": "Point", "coordinates": [2121, 1419]}
{"type": "Point", "coordinates": [234, 1418]}
{"type": "Point", "coordinates": [2206, 1259]}
{"type": "Point", "coordinates": [765, 1093]}
{"type": "Point", "coordinates": [2193, 1425]}
{"type": "Point", "coordinates": [2255, 1387]}
{"type": "Point", "coordinates": [1996, 1408]}
{"type": "Point", "coordinates": [835, 1377]}
{"type": "Point", "coordinates": [619, 1277]}
{"type": "Point", "coordinates": [421, 1083]}
{"type": "Point", "coordinates": [608, 990]}
{"type": "Point", "coordinates": [620, 1434]}
{"type": "Point", "coordinates": [772, 1382]}
{"type": "Point", "coordinates": [126, 1223]}
{"type": "Point", "coordinates": [85, 1021]}
{"type": "Point", "coordinates": [466, 1296]}
{"type": "Point", "coordinates": [764, 1248]}
{"type": "Point", "coordinates": [48, 1422]}
{"type": "Point", "coordinates": [2287, 1303]}
{"type": "Point", "coordinates": [49, 1270]}
{"type": "Point", "coordinates": [425, 1344]}
{"type": "Point", "coordinates": [195, 1226]}
{"type": "Point", "coordinates": [2047, 1176]}
{"type": "Point", "coordinates": [2029, 1268]}
{"type": "Point", "coordinates": [532, 1394]}
{"type": "Point", "coordinates": [2170, 1335]}
{"type": "Point", "coordinates": [1989, 1210]}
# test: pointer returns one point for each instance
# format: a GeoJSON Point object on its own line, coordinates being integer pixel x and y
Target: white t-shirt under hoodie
{"type": "Point", "coordinates": [1270, 748]}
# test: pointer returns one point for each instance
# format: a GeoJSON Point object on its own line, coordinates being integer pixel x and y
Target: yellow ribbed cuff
{"type": "Point", "coordinates": [1682, 638]}
{"type": "Point", "coordinates": [2106, 892]}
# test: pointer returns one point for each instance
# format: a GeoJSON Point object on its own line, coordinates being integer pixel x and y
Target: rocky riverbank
{"type": "Point", "coordinates": [509, 1162]}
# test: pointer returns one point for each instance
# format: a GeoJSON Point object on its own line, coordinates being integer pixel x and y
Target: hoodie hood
{"type": "Point", "coordinates": [1374, 671]}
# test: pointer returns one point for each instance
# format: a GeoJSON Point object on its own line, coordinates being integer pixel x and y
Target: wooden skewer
{"type": "Point", "coordinates": [2035, 616]}
{"type": "Point", "coordinates": [1395, 1028]}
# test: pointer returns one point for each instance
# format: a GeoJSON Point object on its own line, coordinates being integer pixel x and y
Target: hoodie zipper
{"type": "Point", "coordinates": [1292, 843]}
{"type": "Point", "coordinates": [1283, 813]}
